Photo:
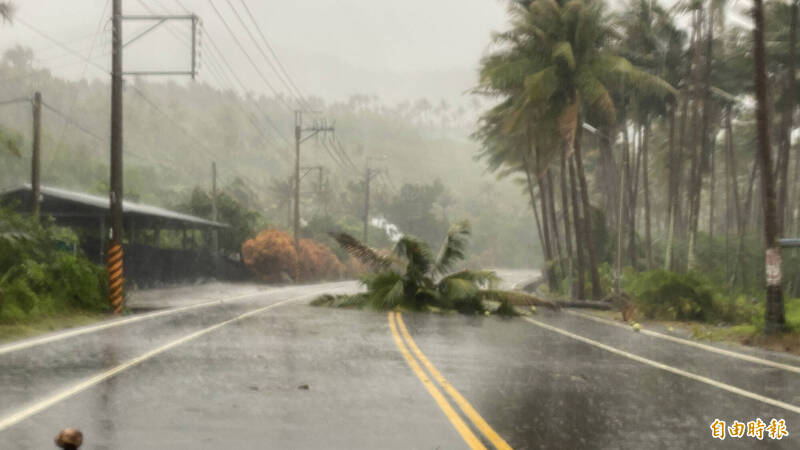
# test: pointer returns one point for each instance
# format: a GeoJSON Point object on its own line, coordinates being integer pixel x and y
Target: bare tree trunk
{"type": "Point", "coordinates": [597, 292]}
{"type": "Point", "coordinates": [774, 320]}
{"type": "Point", "coordinates": [646, 181]}
{"type": "Point", "coordinates": [580, 288]}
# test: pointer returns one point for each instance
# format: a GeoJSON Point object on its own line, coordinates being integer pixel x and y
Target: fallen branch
{"type": "Point", "coordinates": [587, 304]}
{"type": "Point", "coordinates": [519, 299]}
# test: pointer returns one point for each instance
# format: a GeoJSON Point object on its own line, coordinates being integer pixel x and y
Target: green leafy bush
{"type": "Point", "coordinates": [39, 279]}
{"type": "Point", "coordinates": [668, 295]}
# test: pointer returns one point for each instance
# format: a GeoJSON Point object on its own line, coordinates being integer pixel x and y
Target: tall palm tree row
{"type": "Point", "coordinates": [594, 110]}
{"type": "Point", "coordinates": [558, 68]}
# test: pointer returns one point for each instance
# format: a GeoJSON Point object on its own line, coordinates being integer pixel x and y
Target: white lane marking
{"type": "Point", "coordinates": [675, 370]}
{"type": "Point", "coordinates": [41, 405]}
{"type": "Point", "coordinates": [16, 346]}
{"type": "Point", "coordinates": [706, 347]}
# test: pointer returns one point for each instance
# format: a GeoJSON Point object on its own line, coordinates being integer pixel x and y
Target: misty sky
{"type": "Point", "coordinates": [333, 48]}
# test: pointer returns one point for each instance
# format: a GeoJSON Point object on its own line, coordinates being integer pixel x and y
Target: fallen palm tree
{"type": "Point", "coordinates": [412, 277]}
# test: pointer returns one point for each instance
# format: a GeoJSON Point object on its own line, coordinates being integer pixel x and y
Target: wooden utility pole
{"type": "Point", "coordinates": [115, 269]}
{"type": "Point", "coordinates": [214, 215]}
{"type": "Point", "coordinates": [36, 157]}
{"type": "Point", "coordinates": [316, 128]}
{"type": "Point", "coordinates": [115, 186]}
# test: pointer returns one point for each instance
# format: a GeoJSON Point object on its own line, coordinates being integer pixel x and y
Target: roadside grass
{"type": "Point", "coordinates": [748, 334]}
{"type": "Point", "coordinates": [29, 327]}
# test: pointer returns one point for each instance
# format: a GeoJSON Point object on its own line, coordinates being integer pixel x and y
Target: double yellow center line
{"type": "Point", "coordinates": [395, 323]}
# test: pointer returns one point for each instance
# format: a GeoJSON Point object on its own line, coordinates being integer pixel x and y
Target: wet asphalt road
{"type": "Point", "coordinates": [240, 384]}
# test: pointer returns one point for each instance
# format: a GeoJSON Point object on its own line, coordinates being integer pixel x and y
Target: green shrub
{"type": "Point", "coordinates": [667, 295]}
{"type": "Point", "coordinates": [39, 279]}
{"type": "Point", "coordinates": [78, 282]}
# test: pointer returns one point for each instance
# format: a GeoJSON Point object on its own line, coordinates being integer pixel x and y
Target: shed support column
{"type": "Point", "coordinates": [102, 238]}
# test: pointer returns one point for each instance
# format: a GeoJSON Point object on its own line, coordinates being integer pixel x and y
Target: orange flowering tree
{"type": "Point", "coordinates": [270, 256]}
{"type": "Point", "coordinates": [317, 261]}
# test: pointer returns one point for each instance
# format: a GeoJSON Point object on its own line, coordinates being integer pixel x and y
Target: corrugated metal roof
{"type": "Point", "coordinates": [127, 206]}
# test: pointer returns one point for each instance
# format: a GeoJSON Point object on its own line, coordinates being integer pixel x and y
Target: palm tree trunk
{"type": "Point", "coordinates": [786, 127]}
{"type": "Point", "coordinates": [634, 197]}
{"type": "Point", "coordinates": [695, 173]}
{"type": "Point", "coordinates": [576, 220]}
{"type": "Point", "coordinates": [540, 226]}
{"type": "Point", "coordinates": [565, 214]}
{"type": "Point", "coordinates": [597, 292]}
{"type": "Point", "coordinates": [712, 180]}
{"type": "Point", "coordinates": [646, 181]}
{"type": "Point", "coordinates": [626, 169]}
{"type": "Point", "coordinates": [732, 180]}
{"type": "Point", "coordinates": [672, 191]}
{"type": "Point", "coordinates": [554, 222]}
{"type": "Point", "coordinates": [548, 236]}
{"type": "Point", "coordinates": [565, 205]}
{"type": "Point", "coordinates": [774, 320]}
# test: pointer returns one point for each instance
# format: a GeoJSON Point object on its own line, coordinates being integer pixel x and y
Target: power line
{"type": "Point", "coordinates": [249, 58]}
{"type": "Point", "coordinates": [275, 55]}
{"type": "Point", "coordinates": [201, 145]}
{"type": "Point", "coordinates": [333, 157]}
{"type": "Point", "coordinates": [70, 121]}
{"type": "Point", "coordinates": [83, 73]}
{"type": "Point", "coordinates": [298, 99]}
{"type": "Point", "coordinates": [338, 146]}
{"type": "Point", "coordinates": [224, 60]}
{"type": "Point", "coordinates": [215, 71]}
{"type": "Point", "coordinates": [46, 36]}
{"type": "Point", "coordinates": [15, 100]}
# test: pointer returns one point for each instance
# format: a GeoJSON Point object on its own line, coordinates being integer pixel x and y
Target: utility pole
{"type": "Point", "coordinates": [115, 186]}
{"type": "Point", "coordinates": [214, 232]}
{"type": "Point", "coordinates": [115, 269]}
{"type": "Point", "coordinates": [318, 127]}
{"type": "Point", "coordinates": [36, 157]}
{"type": "Point", "coordinates": [369, 174]}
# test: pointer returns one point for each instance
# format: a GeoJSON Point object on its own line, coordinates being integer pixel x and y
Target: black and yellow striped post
{"type": "Point", "coordinates": [115, 278]}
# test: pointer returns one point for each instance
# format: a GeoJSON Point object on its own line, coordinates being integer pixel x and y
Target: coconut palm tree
{"type": "Point", "coordinates": [413, 277]}
{"type": "Point", "coordinates": [555, 69]}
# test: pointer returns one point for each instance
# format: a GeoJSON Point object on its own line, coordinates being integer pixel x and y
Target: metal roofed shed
{"type": "Point", "coordinates": [70, 208]}
{"type": "Point", "coordinates": [160, 246]}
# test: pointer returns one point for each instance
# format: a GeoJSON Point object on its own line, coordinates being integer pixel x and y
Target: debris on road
{"type": "Point", "coordinates": [69, 439]}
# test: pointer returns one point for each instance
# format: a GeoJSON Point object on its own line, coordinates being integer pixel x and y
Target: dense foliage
{"type": "Point", "coordinates": [40, 275]}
